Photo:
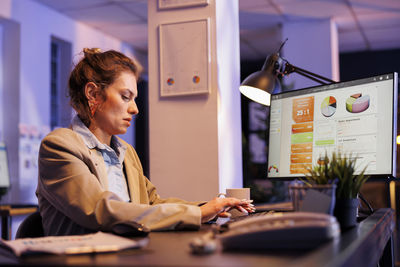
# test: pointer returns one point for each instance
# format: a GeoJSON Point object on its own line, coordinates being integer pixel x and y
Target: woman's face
{"type": "Point", "coordinates": [115, 113]}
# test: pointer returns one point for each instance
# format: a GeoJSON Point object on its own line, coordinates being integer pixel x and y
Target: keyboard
{"type": "Point", "coordinates": [225, 226]}
{"type": "Point", "coordinates": [287, 230]}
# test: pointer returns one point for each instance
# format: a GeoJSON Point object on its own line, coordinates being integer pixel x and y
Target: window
{"type": "Point", "coordinates": [60, 62]}
{"type": "Point", "coordinates": [54, 84]}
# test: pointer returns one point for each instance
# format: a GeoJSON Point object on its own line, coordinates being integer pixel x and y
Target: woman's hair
{"type": "Point", "coordinates": [101, 68]}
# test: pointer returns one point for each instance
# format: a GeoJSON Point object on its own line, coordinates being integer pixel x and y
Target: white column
{"type": "Point", "coordinates": [312, 46]}
{"type": "Point", "coordinates": [229, 112]}
{"type": "Point", "coordinates": [195, 141]}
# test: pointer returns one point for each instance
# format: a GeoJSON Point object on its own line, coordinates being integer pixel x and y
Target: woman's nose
{"type": "Point", "coordinates": [133, 109]}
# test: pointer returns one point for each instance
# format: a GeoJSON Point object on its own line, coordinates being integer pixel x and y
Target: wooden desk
{"type": "Point", "coordinates": [360, 246]}
{"type": "Point", "coordinates": [6, 213]}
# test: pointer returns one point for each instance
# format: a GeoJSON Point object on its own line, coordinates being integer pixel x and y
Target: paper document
{"type": "Point", "coordinates": [76, 244]}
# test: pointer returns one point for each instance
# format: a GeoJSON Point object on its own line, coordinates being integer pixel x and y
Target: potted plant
{"type": "Point", "coordinates": [341, 170]}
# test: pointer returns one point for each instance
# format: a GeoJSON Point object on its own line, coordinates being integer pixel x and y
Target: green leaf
{"type": "Point", "coordinates": [339, 168]}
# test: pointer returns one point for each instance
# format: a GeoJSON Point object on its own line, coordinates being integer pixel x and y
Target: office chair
{"type": "Point", "coordinates": [31, 226]}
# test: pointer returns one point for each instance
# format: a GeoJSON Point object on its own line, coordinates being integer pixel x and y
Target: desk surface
{"type": "Point", "coordinates": [360, 246]}
{"type": "Point", "coordinates": [13, 210]}
{"type": "Point", "coordinates": [9, 210]}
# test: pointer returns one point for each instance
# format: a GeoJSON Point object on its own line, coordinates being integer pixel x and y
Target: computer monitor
{"type": "Point", "coordinates": [4, 174]}
{"type": "Point", "coordinates": [357, 118]}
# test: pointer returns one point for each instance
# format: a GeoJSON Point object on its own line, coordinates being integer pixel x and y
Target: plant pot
{"type": "Point", "coordinates": [346, 212]}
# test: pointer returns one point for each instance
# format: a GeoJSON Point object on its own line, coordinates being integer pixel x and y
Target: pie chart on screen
{"type": "Point", "coordinates": [328, 106]}
{"type": "Point", "coordinates": [357, 103]}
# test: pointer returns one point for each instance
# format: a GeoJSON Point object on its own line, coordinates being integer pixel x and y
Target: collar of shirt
{"type": "Point", "coordinates": [92, 142]}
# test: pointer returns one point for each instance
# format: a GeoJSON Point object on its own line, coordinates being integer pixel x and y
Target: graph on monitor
{"type": "Point", "coordinates": [355, 117]}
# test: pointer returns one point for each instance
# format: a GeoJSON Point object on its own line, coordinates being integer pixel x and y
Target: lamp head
{"type": "Point", "coordinates": [259, 85]}
{"type": "Point", "coordinates": [256, 87]}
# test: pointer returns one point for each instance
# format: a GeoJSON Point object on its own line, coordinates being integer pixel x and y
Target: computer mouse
{"type": "Point", "coordinates": [130, 229]}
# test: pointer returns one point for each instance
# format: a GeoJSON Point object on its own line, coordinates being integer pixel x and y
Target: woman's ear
{"type": "Point", "coordinates": [92, 91]}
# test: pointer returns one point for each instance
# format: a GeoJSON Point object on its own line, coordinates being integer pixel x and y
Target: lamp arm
{"type": "Point", "coordinates": [289, 68]}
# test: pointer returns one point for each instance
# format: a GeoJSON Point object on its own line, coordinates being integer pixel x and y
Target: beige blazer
{"type": "Point", "coordinates": [73, 191]}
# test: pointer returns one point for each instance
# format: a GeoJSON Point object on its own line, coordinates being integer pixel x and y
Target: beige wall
{"type": "Point", "coordinates": [195, 141]}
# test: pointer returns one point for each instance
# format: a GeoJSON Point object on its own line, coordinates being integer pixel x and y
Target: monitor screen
{"type": "Point", "coordinates": [357, 118]}
{"type": "Point", "coordinates": [4, 175]}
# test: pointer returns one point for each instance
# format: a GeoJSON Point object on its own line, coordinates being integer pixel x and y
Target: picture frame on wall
{"type": "Point", "coordinates": [169, 4]}
{"type": "Point", "coordinates": [185, 60]}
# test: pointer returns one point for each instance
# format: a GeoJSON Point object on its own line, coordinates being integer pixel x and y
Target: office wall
{"type": "Point", "coordinates": [36, 24]}
{"type": "Point", "coordinates": [312, 45]}
{"type": "Point", "coordinates": [195, 141]}
{"type": "Point", "coordinates": [10, 111]}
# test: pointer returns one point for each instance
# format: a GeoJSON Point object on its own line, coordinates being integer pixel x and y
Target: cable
{"type": "Point", "coordinates": [366, 202]}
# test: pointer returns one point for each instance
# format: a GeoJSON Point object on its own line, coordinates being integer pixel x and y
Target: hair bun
{"type": "Point", "coordinates": [91, 51]}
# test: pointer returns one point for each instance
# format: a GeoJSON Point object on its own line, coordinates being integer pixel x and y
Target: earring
{"type": "Point", "coordinates": [92, 107]}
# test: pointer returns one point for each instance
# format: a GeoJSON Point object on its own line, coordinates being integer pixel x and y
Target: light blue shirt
{"type": "Point", "coordinates": [113, 159]}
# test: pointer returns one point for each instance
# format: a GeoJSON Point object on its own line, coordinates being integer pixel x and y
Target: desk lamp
{"type": "Point", "coordinates": [259, 85]}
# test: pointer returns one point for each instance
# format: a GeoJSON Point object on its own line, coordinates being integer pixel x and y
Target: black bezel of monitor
{"type": "Point", "coordinates": [392, 75]}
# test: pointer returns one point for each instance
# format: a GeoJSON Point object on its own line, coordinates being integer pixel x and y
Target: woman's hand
{"type": "Point", "coordinates": [221, 206]}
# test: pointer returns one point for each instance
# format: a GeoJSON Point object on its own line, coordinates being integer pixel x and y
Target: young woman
{"type": "Point", "coordinates": [90, 179]}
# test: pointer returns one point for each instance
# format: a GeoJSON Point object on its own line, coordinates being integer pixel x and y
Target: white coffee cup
{"type": "Point", "coordinates": [240, 193]}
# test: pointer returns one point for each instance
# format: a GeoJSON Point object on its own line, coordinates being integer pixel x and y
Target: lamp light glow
{"type": "Point", "coordinates": [256, 94]}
